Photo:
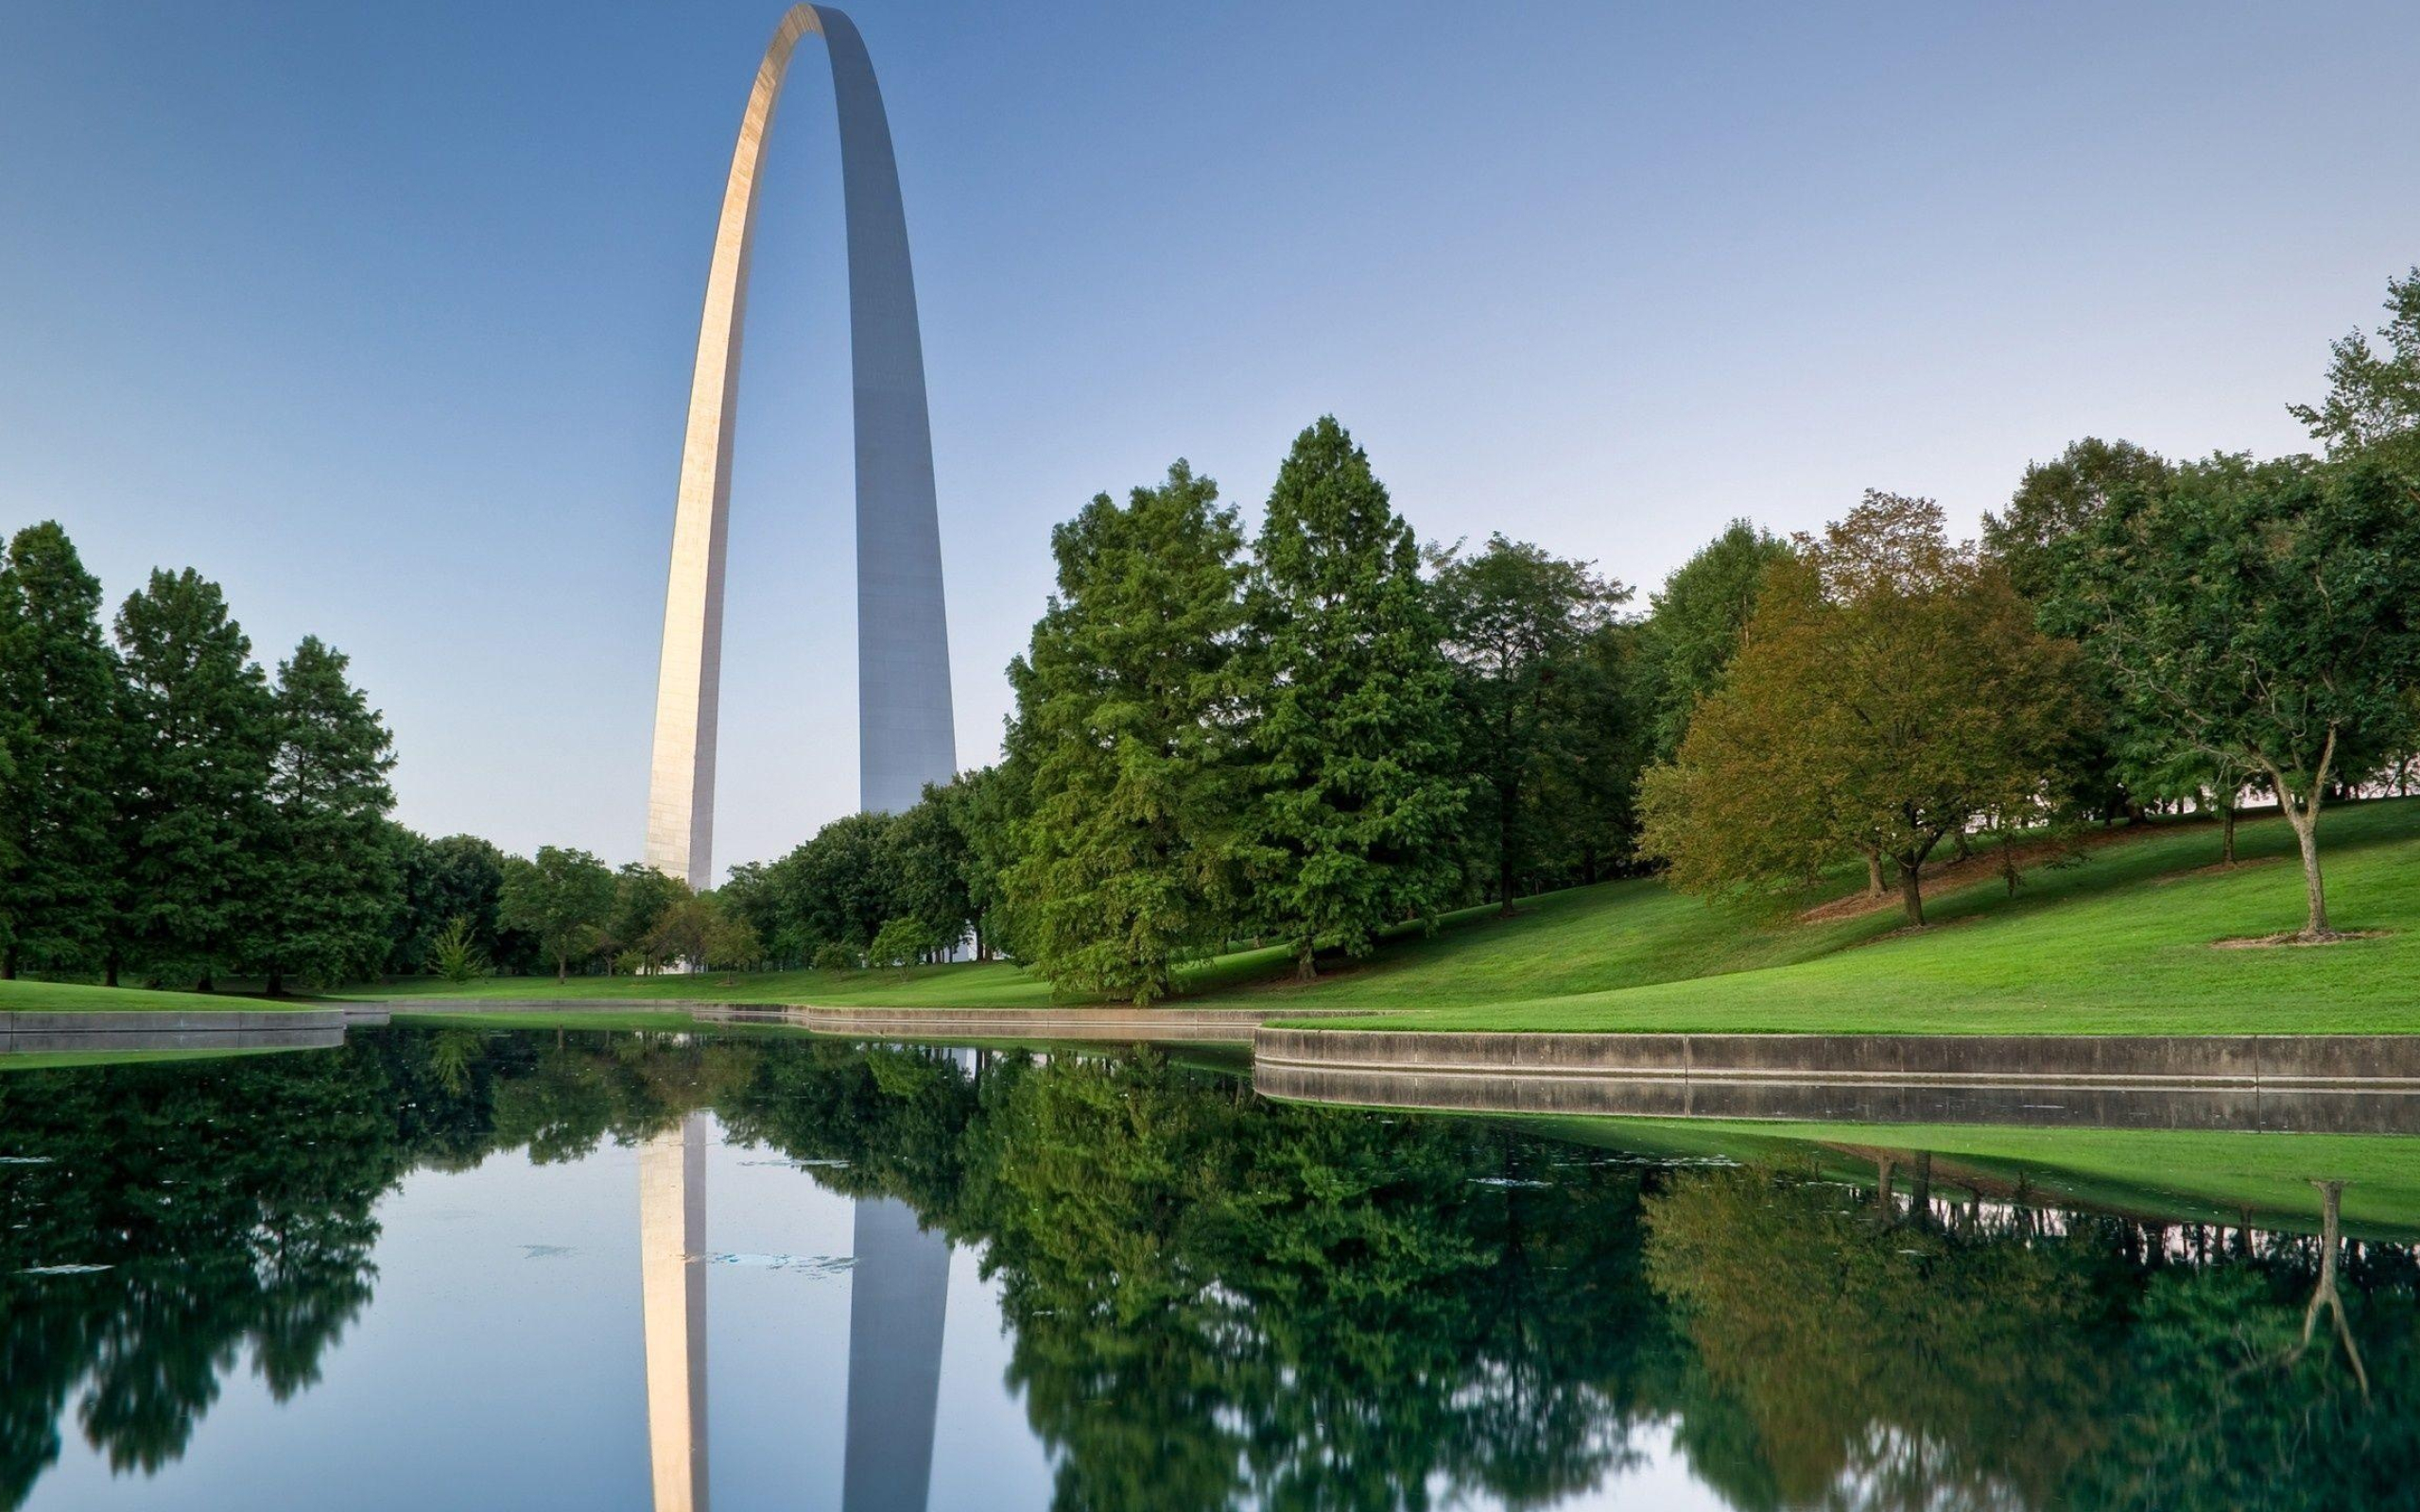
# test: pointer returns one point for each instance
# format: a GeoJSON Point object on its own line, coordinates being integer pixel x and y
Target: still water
{"type": "Point", "coordinates": [442, 1269]}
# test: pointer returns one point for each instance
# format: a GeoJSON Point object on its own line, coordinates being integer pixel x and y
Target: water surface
{"type": "Point", "coordinates": [456, 1268]}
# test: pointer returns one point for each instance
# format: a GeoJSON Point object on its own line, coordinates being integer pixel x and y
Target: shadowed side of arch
{"type": "Point", "coordinates": [905, 734]}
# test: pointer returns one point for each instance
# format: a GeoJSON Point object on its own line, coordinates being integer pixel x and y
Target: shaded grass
{"type": "Point", "coordinates": [26, 996]}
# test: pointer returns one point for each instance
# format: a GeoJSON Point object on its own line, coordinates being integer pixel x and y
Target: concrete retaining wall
{"type": "Point", "coordinates": [2314, 1084]}
{"type": "Point", "coordinates": [2271, 1061]}
{"type": "Point", "coordinates": [235, 1029]}
{"type": "Point", "coordinates": [1118, 1025]}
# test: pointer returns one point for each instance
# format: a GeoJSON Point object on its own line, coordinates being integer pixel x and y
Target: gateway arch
{"type": "Point", "coordinates": [905, 732]}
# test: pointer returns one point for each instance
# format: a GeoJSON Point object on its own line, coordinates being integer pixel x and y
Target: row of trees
{"type": "Point", "coordinates": [2131, 631]}
{"type": "Point", "coordinates": [167, 806]}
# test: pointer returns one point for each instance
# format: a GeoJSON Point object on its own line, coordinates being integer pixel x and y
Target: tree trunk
{"type": "Point", "coordinates": [8, 964]}
{"type": "Point", "coordinates": [2226, 835]}
{"type": "Point", "coordinates": [562, 969]}
{"type": "Point", "coordinates": [1912, 893]}
{"type": "Point", "coordinates": [275, 986]}
{"type": "Point", "coordinates": [1504, 851]}
{"type": "Point", "coordinates": [207, 984]}
{"type": "Point", "coordinates": [1872, 873]}
{"type": "Point", "coordinates": [2314, 891]}
{"type": "Point", "coordinates": [2304, 817]}
{"type": "Point", "coordinates": [109, 970]}
{"type": "Point", "coordinates": [1306, 968]}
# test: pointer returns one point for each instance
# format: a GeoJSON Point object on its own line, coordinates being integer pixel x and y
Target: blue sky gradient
{"type": "Point", "coordinates": [383, 315]}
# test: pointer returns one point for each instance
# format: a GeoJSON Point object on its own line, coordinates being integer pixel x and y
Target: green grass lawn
{"type": "Point", "coordinates": [2120, 942]}
{"type": "Point", "coordinates": [70, 997]}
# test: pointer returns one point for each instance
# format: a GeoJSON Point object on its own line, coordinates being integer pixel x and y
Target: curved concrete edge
{"type": "Point", "coordinates": [2201, 1062]}
{"type": "Point", "coordinates": [116, 1031]}
{"type": "Point", "coordinates": [116, 1021]}
{"type": "Point", "coordinates": [437, 1005]}
{"type": "Point", "coordinates": [1121, 1026]}
{"type": "Point", "coordinates": [2350, 1084]}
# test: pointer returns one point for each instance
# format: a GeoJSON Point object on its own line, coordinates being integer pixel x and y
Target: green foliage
{"type": "Point", "coordinates": [459, 876]}
{"type": "Point", "coordinates": [1691, 634]}
{"type": "Point", "coordinates": [1128, 707]}
{"type": "Point", "coordinates": [61, 741]}
{"type": "Point", "coordinates": [834, 956]}
{"type": "Point", "coordinates": [201, 731]}
{"type": "Point", "coordinates": [332, 891]}
{"type": "Point", "coordinates": [1356, 800]}
{"type": "Point", "coordinates": [2374, 398]}
{"type": "Point", "coordinates": [641, 899]}
{"type": "Point", "coordinates": [935, 864]}
{"type": "Point", "coordinates": [987, 806]}
{"type": "Point", "coordinates": [564, 898]}
{"type": "Point", "coordinates": [2261, 616]}
{"type": "Point", "coordinates": [454, 954]}
{"type": "Point", "coordinates": [844, 884]}
{"type": "Point", "coordinates": [1520, 624]}
{"type": "Point", "coordinates": [1891, 689]}
{"type": "Point", "coordinates": [904, 943]}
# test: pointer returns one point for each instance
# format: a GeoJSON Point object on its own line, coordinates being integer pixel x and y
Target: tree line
{"type": "Point", "coordinates": [170, 809]}
{"type": "Point", "coordinates": [1321, 731]}
{"type": "Point", "coordinates": [2132, 632]}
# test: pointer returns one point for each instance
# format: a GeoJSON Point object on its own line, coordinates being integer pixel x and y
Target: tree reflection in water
{"type": "Point", "coordinates": [1217, 1301]}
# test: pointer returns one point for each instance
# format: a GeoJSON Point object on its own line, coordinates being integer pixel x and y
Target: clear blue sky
{"type": "Point", "coordinates": [381, 314]}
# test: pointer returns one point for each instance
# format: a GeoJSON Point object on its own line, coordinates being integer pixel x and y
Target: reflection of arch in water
{"type": "Point", "coordinates": [672, 1297]}
{"type": "Point", "coordinates": [898, 1304]}
{"type": "Point", "coordinates": [898, 1307]}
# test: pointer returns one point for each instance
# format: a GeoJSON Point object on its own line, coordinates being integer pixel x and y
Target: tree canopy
{"type": "Point", "coordinates": [1890, 690]}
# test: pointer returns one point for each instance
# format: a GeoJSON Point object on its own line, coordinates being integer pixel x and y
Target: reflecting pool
{"type": "Point", "coordinates": [457, 1268]}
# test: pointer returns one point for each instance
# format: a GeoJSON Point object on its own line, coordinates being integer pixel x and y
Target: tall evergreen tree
{"type": "Point", "coordinates": [1127, 709]}
{"type": "Point", "coordinates": [1353, 729]}
{"type": "Point", "coordinates": [60, 701]}
{"type": "Point", "coordinates": [334, 894]}
{"type": "Point", "coordinates": [201, 723]}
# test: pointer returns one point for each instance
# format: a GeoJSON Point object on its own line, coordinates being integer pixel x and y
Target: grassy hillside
{"type": "Point", "coordinates": [2121, 941]}
{"type": "Point", "coordinates": [69, 997]}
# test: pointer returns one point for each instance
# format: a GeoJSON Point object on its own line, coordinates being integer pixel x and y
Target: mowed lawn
{"type": "Point", "coordinates": [2122, 941]}
{"type": "Point", "coordinates": [71, 997]}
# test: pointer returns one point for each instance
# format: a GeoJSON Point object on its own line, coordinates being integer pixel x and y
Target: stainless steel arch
{"type": "Point", "coordinates": [906, 736]}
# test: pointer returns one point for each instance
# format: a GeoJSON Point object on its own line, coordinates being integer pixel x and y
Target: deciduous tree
{"type": "Point", "coordinates": [2263, 615]}
{"type": "Point", "coordinates": [1692, 629]}
{"type": "Point", "coordinates": [1890, 690]}
{"type": "Point", "coordinates": [1515, 618]}
{"type": "Point", "coordinates": [563, 897]}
